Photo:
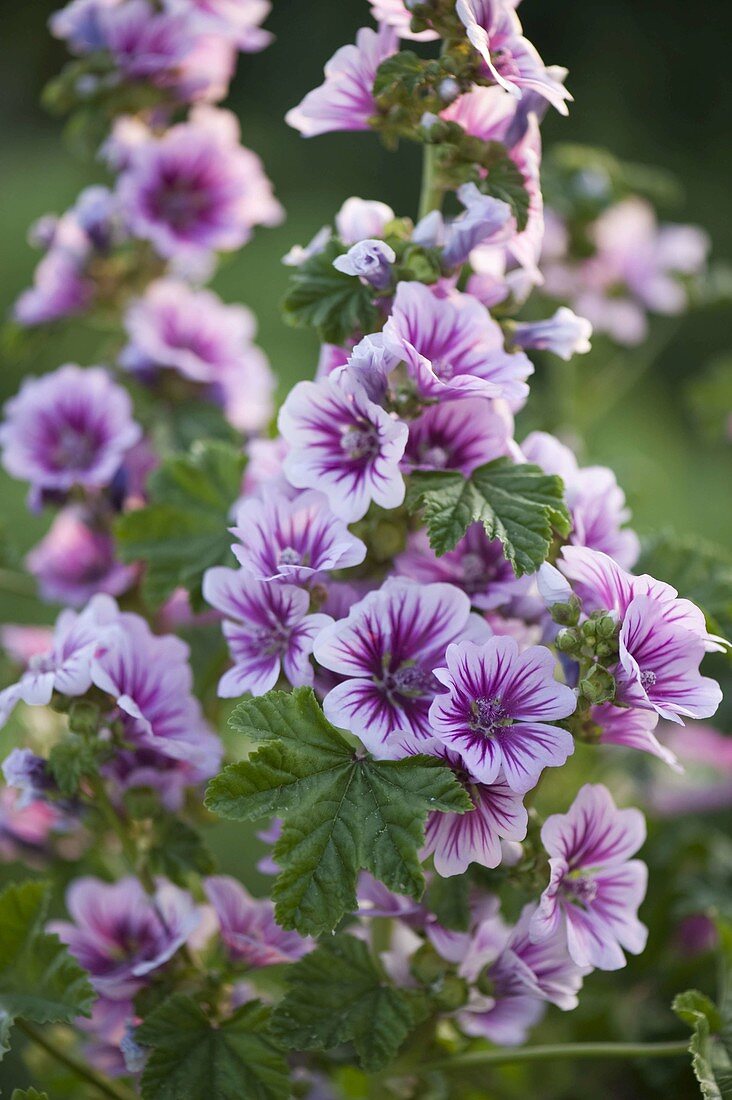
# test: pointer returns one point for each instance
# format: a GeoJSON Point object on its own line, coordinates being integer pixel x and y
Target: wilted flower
{"type": "Point", "coordinates": [268, 629]}
{"type": "Point", "coordinates": [386, 650]}
{"type": "Point", "coordinates": [369, 259]}
{"type": "Point", "coordinates": [71, 427]}
{"type": "Point", "coordinates": [595, 887]}
{"type": "Point", "coordinates": [497, 711]}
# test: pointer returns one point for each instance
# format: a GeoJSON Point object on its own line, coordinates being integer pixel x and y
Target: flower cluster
{"type": "Point", "coordinates": [424, 614]}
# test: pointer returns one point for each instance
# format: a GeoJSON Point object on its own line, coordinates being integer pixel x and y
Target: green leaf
{"type": "Point", "coordinates": [184, 530]}
{"type": "Point", "coordinates": [505, 181]}
{"type": "Point", "coordinates": [520, 505]}
{"type": "Point", "coordinates": [39, 979]}
{"type": "Point", "coordinates": [709, 1058]}
{"type": "Point", "coordinates": [337, 995]}
{"type": "Point", "coordinates": [6, 1026]}
{"type": "Point", "coordinates": [334, 304]}
{"type": "Point", "coordinates": [196, 1059]}
{"type": "Point", "coordinates": [73, 758]}
{"type": "Point", "coordinates": [178, 850]}
{"type": "Point", "coordinates": [28, 1094]}
{"type": "Point", "coordinates": [701, 572]}
{"type": "Point", "coordinates": [449, 900]}
{"type": "Point", "coordinates": [343, 811]}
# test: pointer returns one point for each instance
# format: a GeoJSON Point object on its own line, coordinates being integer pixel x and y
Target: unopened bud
{"type": "Point", "coordinates": [567, 641]}
{"type": "Point", "coordinates": [598, 686]}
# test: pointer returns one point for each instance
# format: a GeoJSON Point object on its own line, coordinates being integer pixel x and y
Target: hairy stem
{"type": "Point", "coordinates": [430, 196]}
{"type": "Point", "coordinates": [84, 1072]}
{"type": "Point", "coordinates": [549, 1052]}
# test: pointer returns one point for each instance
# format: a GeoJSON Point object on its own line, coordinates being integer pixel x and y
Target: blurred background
{"type": "Point", "coordinates": [651, 82]}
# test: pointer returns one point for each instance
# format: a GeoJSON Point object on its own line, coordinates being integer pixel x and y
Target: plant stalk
{"type": "Point", "coordinates": [548, 1052]}
{"type": "Point", "coordinates": [430, 196]}
{"type": "Point", "coordinates": [84, 1072]}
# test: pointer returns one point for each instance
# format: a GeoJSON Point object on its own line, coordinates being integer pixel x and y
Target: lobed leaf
{"type": "Point", "coordinates": [184, 530]}
{"type": "Point", "coordinates": [194, 1058]}
{"type": "Point", "coordinates": [343, 811]}
{"type": "Point", "coordinates": [321, 298]}
{"type": "Point", "coordinates": [336, 995]}
{"type": "Point", "coordinates": [520, 505]}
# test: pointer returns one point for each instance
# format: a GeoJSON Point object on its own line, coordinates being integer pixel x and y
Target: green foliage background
{"type": "Point", "coordinates": [651, 81]}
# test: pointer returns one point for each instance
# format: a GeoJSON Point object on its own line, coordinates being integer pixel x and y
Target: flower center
{"type": "Point", "coordinates": [580, 888]}
{"type": "Point", "coordinates": [74, 450]}
{"type": "Point", "coordinates": [290, 556]}
{"type": "Point", "coordinates": [647, 678]}
{"type": "Point", "coordinates": [489, 715]}
{"type": "Point", "coordinates": [443, 369]}
{"type": "Point", "coordinates": [410, 681]}
{"type": "Point", "coordinates": [274, 639]}
{"type": "Point", "coordinates": [360, 441]}
{"type": "Point", "coordinates": [436, 456]}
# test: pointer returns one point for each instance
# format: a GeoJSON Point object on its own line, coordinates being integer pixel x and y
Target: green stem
{"type": "Point", "coordinates": [17, 584]}
{"type": "Point", "coordinates": [430, 196]}
{"type": "Point", "coordinates": [118, 827]}
{"type": "Point", "coordinates": [84, 1072]}
{"type": "Point", "coordinates": [480, 1058]}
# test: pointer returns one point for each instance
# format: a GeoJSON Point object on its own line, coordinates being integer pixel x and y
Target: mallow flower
{"type": "Point", "coordinates": [76, 559]}
{"type": "Point", "coordinates": [359, 219]}
{"type": "Point", "coordinates": [71, 427]}
{"type": "Point", "coordinates": [596, 501]}
{"type": "Point", "coordinates": [120, 935]}
{"type": "Point", "coordinates": [595, 887]}
{"type": "Point", "coordinates": [345, 100]}
{"type": "Point", "coordinates": [293, 539]}
{"type": "Point", "coordinates": [176, 327]}
{"type": "Point", "coordinates": [565, 334]}
{"type": "Point", "coordinates": [65, 666]}
{"type": "Point", "coordinates": [385, 651]}
{"type": "Point", "coordinates": [343, 444]}
{"type": "Point", "coordinates": [494, 29]}
{"type": "Point", "coordinates": [497, 711]}
{"type": "Point", "coordinates": [662, 638]}
{"type": "Point", "coordinates": [268, 629]}
{"type": "Point", "coordinates": [248, 927]}
{"type": "Point", "coordinates": [459, 435]}
{"type": "Point", "coordinates": [370, 260]}
{"type": "Point", "coordinates": [195, 190]}
{"type": "Point", "coordinates": [452, 347]}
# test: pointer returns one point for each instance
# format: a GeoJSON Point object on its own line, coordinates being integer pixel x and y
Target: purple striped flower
{"type": "Point", "coordinates": [452, 347]}
{"type": "Point", "coordinates": [565, 334]}
{"type": "Point", "coordinates": [359, 218]}
{"type": "Point", "coordinates": [201, 338]}
{"type": "Point", "coordinates": [150, 679]}
{"type": "Point", "coordinates": [196, 190]}
{"type": "Point", "coordinates": [596, 501]}
{"type": "Point", "coordinates": [477, 565]}
{"type": "Point", "coordinates": [396, 14]}
{"type": "Point", "coordinates": [248, 927]}
{"type": "Point", "coordinates": [71, 427]}
{"type": "Point", "coordinates": [120, 935]}
{"type": "Point", "coordinates": [595, 887]}
{"type": "Point", "coordinates": [497, 711]}
{"type": "Point", "coordinates": [66, 666]}
{"type": "Point", "coordinates": [343, 444]}
{"type": "Point", "coordinates": [268, 629]}
{"type": "Point", "coordinates": [459, 435]}
{"type": "Point", "coordinates": [75, 560]}
{"type": "Point", "coordinates": [457, 840]}
{"type": "Point", "coordinates": [494, 29]}
{"type": "Point", "coordinates": [345, 100]}
{"type": "Point", "coordinates": [485, 220]}
{"type": "Point", "coordinates": [386, 650]}
{"type": "Point", "coordinates": [522, 977]}
{"type": "Point", "coordinates": [238, 20]}
{"type": "Point", "coordinates": [293, 539]}
{"type": "Point", "coordinates": [662, 638]}
{"type": "Point", "coordinates": [632, 728]}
